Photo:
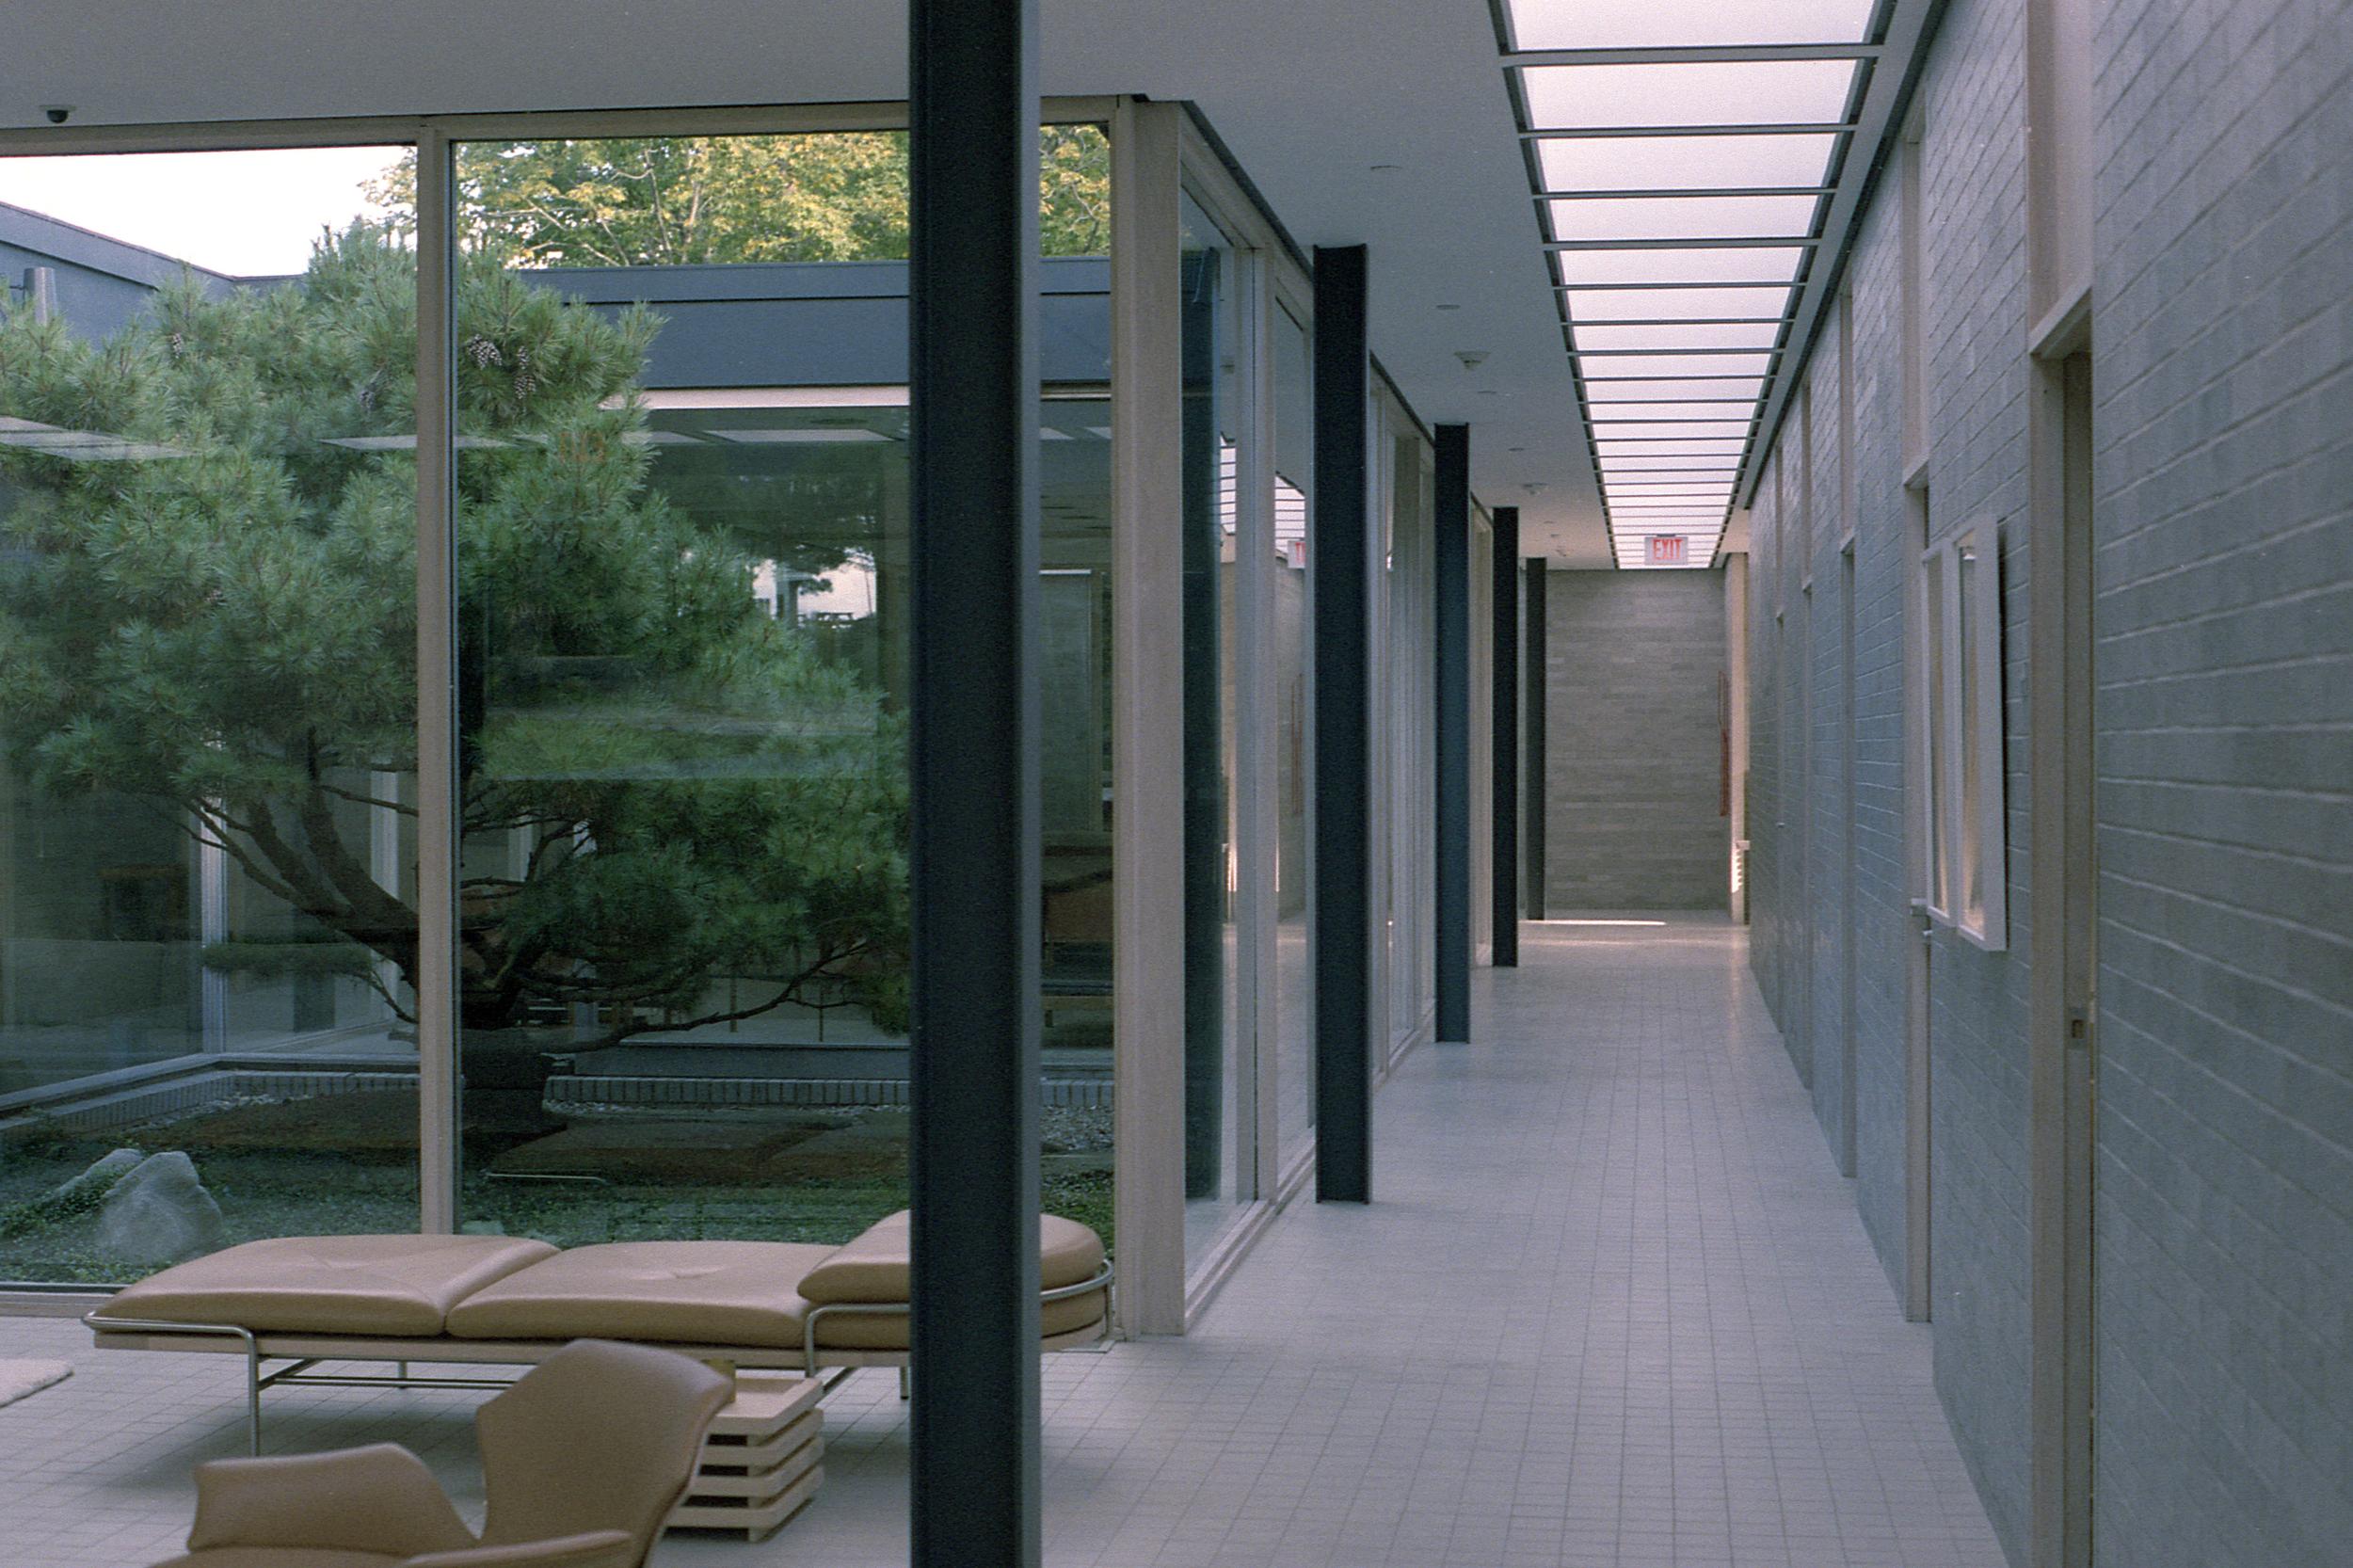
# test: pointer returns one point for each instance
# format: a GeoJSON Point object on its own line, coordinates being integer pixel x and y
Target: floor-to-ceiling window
{"type": "Point", "coordinates": [1409, 501]}
{"type": "Point", "coordinates": [1220, 1048]}
{"type": "Point", "coordinates": [684, 631]}
{"type": "Point", "coordinates": [1291, 638]}
{"type": "Point", "coordinates": [208, 937]}
{"type": "Point", "coordinates": [681, 530]}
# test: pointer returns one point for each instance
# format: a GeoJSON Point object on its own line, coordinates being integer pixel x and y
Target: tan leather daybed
{"type": "Point", "coordinates": [500, 1300]}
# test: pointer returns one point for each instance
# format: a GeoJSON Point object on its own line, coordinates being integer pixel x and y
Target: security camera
{"type": "Point", "coordinates": [59, 113]}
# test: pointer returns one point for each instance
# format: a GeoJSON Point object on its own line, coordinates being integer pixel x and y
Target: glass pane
{"type": "Point", "coordinates": [1709, 92]}
{"type": "Point", "coordinates": [1670, 429]}
{"type": "Point", "coordinates": [1971, 702]}
{"type": "Point", "coordinates": [1733, 388]}
{"type": "Point", "coordinates": [1734, 263]}
{"type": "Point", "coordinates": [1650, 24]}
{"type": "Point", "coordinates": [1676, 448]}
{"type": "Point", "coordinates": [1220, 1073]}
{"type": "Point", "coordinates": [1932, 656]}
{"type": "Point", "coordinates": [1685, 162]}
{"type": "Point", "coordinates": [684, 611]}
{"type": "Point", "coordinates": [1293, 642]}
{"type": "Point", "coordinates": [1629, 467]}
{"type": "Point", "coordinates": [1668, 410]}
{"type": "Point", "coordinates": [1588, 306]}
{"type": "Point", "coordinates": [1602, 367]}
{"type": "Point", "coordinates": [1411, 843]}
{"type": "Point", "coordinates": [1712, 334]}
{"type": "Point", "coordinates": [1683, 218]}
{"type": "Point", "coordinates": [207, 591]}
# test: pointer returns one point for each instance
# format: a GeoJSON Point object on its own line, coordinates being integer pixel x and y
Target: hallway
{"type": "Point", "coordinates": [1612, 1309]}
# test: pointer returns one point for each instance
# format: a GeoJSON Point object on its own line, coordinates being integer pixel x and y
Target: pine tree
{"type": "Point", "coordinates": [209, 607]}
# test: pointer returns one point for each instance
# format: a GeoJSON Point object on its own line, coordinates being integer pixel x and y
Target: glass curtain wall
{"type": "Point", "coordinates": [1410, 502]}
{"type": "Point", "coordinates": [681, 531]}
{"type": "Point", "coordinates": [684, 659]}
{"type": "Point", "coordinates": [1219, 1049]}
{"type": "Point", "coordinates": [1291, 643]}
{"type": "Point", "coordinates": [208, 927]}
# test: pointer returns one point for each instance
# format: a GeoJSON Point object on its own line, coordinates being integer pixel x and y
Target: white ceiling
{"type": "Point", "coordinates": [1310, 98]}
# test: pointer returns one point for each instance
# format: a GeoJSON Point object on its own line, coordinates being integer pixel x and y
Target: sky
{"type": "Point", "coordinates": [245, 213]}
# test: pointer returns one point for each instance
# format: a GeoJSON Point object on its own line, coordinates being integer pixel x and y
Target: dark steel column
{"type": "Point", "coordinates": [1341, 560]}
{"type": "Point", "coordinates": [1504, 699]}
{"type": "Point", "coordinates": [1452, 596]}
{"type": "Point", "coordinates": [972, 290]}
{"type": "Point", "coordinates": [1535, 792]}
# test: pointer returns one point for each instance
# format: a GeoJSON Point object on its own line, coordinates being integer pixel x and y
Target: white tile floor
{"type": "Point", "coordinates": [1613, 1307]}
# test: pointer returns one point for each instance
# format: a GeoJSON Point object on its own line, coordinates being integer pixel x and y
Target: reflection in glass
{"type": "Point", "coordinates": [683, 608]}
{"type": "Point", "coordinates": [1220, 1067]}
{"type": "Point", "coordinates": [1293, 640]}
{"type": "Point", "coordinates": [1968, 701]}
{"type": "Point", "coordinates": [207, 585]}
{"type": "Point", "coordinates": [1937, 746]}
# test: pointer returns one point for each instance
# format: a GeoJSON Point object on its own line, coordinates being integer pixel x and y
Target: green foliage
{"type": "Point", "coordinates": [663, 782]}
{"type": "Point", "coordinates": [670, 200]}
{"type": "Point", "coordinates": [68, 1202]}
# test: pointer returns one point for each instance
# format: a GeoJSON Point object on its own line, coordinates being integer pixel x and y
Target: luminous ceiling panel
{"type": "Point", "coordinates": [1661, 336]}
{"type": "Point", "coordinates": [1641, 265]}
{"type": "Point", "coordinates": [1768, 304]}
{"type": "Point", "coordinates": [1684, 218]}
{"type": "Point", "coordinates": [1660, 24]}
{"type": "Point", "coordinates": [1670, 429]}
{"type": "Point", "coordinates": [1658, 449]}
{"type": "Point", "coordinates": [1685, 162]}
{"type": "Point", "coordinates": [1733, 388]}
{"type": "Point", "coordinates": [1605, 365]}
{"type": "Point", "coordinates": [1688, 93]}
{"type": "Point", "coordinates": [1675, 306]}
{"type": "Point", "coordinates": [1672, 411]}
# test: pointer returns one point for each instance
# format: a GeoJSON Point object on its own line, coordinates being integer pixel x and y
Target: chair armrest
{"type": "Point", "coordinates": [591, 1549]}
{"type": "Point", "coordinates": [380, 1498]}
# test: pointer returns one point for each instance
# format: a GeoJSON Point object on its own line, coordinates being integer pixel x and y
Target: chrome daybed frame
{"type": "Point", "coordinates": [303, 1351]}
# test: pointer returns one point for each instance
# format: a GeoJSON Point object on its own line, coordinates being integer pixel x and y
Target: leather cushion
{"type": "Point", "coordinates": [874, 1267]}
{"type": "Point", "coordinates": [392, 1284]}
{"type": "Point", "coordinates": [283, 1556]}
{"type": "Point", "coordinates": [684, 1292]}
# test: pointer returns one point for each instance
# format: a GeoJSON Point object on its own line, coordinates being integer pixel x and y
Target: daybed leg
{"type": "Point", "coordinates": [253, 1394]}
{"type": "Point", "coordinates": [906, 1382]}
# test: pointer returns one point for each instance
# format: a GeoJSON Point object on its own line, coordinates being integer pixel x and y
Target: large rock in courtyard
{"type": "Point", "coordinates": [161, 1213]}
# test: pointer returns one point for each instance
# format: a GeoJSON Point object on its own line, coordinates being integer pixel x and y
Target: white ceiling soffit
{"type": "Point", "coordinates": [1395, 139]}
{"type": "Point", "coordinates": [1697, 168]}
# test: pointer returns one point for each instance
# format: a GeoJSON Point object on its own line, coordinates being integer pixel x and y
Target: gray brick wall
{"type": "Point", "coordinates": [2224, 427]}
{"type": "Point", "coordinates": [2223, 335]}
{"type": "Point", "coordinates": [1634, 766]}
{"type": "Point", "coordinates": [1882, 931]}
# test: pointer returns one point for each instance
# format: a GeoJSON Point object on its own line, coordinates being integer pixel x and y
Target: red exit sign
{"type": "Point", "coordinates": [1670, 550]}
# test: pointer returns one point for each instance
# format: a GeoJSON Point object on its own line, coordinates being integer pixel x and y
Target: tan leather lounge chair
{"type": "Point", "coordinates": [582, 1458]}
